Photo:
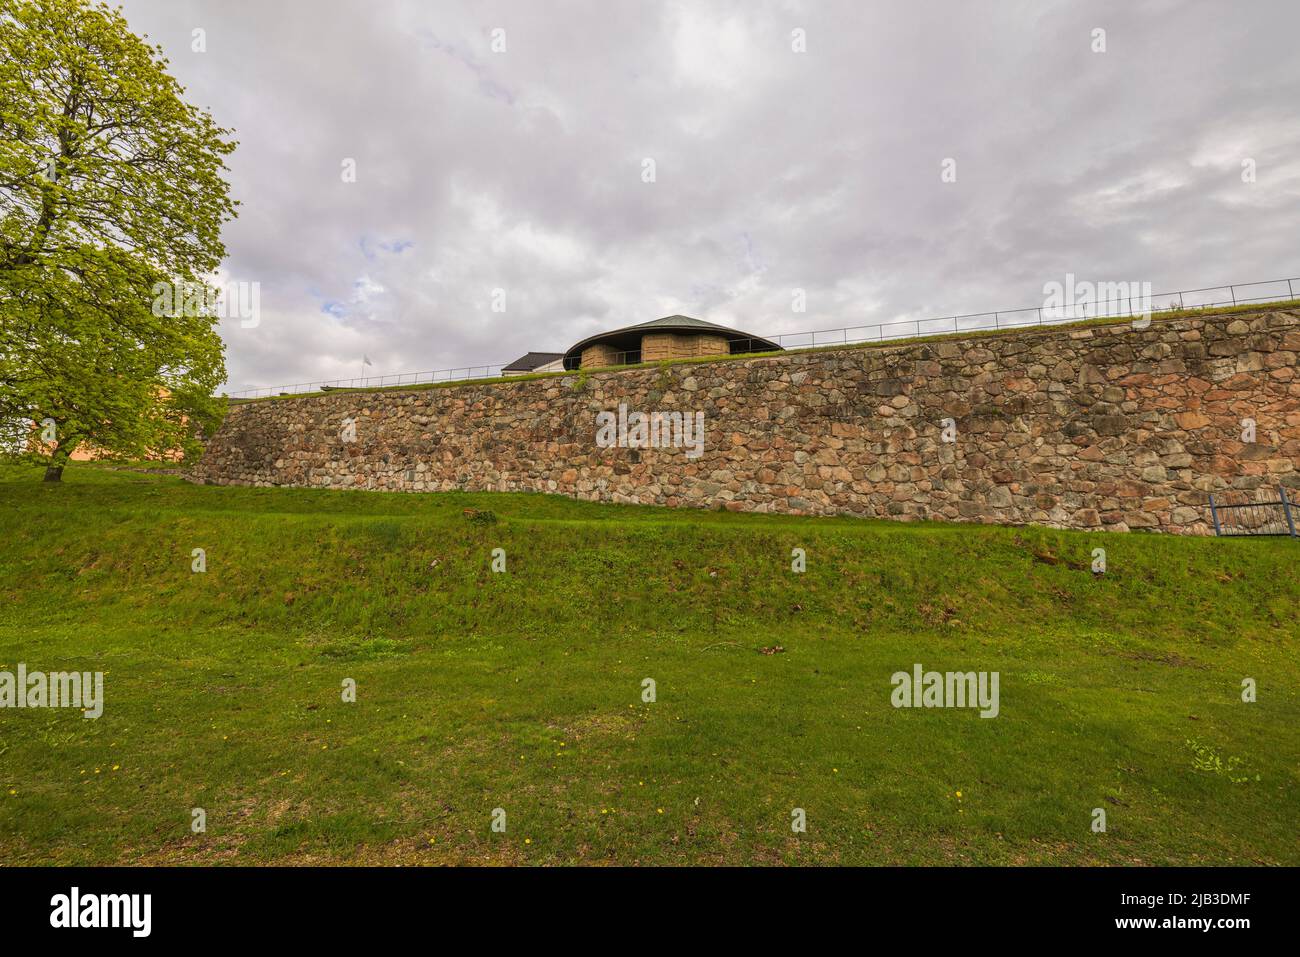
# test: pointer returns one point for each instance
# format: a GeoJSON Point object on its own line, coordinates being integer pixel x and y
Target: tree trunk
{"type": "Point", "coordinates": [59, 457]}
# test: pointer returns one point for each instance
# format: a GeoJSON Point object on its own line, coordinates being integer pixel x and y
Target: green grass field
{"type": "Point", "coordinates": [523, 690]}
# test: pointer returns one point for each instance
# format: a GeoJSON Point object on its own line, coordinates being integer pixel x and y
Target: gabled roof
{"type": "Point", "coordinates": [532, 360]}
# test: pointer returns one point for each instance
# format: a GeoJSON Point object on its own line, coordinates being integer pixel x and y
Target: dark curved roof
{"type": "Point", "coordinates": [628, 338]}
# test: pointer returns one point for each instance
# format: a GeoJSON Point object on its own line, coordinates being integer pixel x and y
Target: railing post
{"type": "Point", "coordinates": [1233, 293]}
{"type": "Point", "coordinates": [1286, 510]}
{"type": "Point", "coordinates": [1214, 516]}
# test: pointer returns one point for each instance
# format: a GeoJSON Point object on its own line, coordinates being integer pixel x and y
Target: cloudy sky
{"type": "Point", "coordinates": [523, 169]}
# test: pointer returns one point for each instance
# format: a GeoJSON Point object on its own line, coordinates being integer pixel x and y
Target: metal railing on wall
{"type": "Point", "coordinates": [1115, 307]}
{"type": "Point", "coordinates": [1273, 512]}
{"type": "Point", "coordinates": [460, 374]}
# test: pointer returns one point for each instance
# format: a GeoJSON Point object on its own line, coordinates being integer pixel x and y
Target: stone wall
{"type": "Point", "coordinates": [1085, 427]}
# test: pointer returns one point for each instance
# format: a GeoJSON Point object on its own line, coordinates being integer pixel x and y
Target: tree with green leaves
{"type": "Point", "coordinates": [111, 190]}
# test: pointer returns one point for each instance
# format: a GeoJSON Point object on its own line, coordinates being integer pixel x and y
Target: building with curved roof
{"type": "Point", "coordinates": [672, 337]}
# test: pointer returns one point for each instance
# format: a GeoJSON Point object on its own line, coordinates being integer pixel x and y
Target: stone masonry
{"type": "Point", "coordinates": [1107, 426]}
{"type": "Point", "coordinates": [656, 346]}
{"type": "Point", "coordinates": [599, 356]}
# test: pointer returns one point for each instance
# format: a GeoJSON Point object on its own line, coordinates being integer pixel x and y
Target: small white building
{"type": "Point", "coordinates": [535, 362]}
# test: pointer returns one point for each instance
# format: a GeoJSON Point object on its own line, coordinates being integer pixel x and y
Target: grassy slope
{"type": "Point", "coordinates": [522, 690]}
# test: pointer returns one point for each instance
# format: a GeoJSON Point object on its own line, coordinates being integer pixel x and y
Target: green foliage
{"type": "Point", "coordinates": [111, 190]}
{"type": "Point", "coordinates": [480, 516]}
{"type": "Point", "coordinates": [1206, 758]}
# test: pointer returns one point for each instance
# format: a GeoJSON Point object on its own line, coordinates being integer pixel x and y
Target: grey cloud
{"type": "Point", "coordinates": [776, 170]}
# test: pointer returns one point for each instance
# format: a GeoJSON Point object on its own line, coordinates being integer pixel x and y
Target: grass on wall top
{"type": "Point", "coordinates": [1163, 316]}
